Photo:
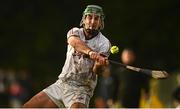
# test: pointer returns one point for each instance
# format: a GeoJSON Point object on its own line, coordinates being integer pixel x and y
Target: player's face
{"type": "Point", "coordinates": [92, 21]}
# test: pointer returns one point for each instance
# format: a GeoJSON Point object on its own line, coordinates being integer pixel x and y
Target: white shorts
{"type": "Point", "coordinates": [64, 95]}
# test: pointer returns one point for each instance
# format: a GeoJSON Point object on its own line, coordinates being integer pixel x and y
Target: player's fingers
{"type": "Point", "coordinates": [97, 57]}
{"type": "Point", "coordinates": [102, 60]}
{"type": "Point", "coordinates": [93, 55]}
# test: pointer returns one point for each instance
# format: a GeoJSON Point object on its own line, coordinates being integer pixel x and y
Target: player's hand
{"type": "Point", "coordinates": [98, 67]}
{"type": "Point", "coordinates": [93, 55]}
{"type": "Point", "coordinates": [99, 59]}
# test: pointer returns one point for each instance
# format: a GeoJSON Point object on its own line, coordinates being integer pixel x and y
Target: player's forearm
{"type": "Point", "coordinates": [98, 69]}
{"type": "Point", "coordinates": [78, 45]}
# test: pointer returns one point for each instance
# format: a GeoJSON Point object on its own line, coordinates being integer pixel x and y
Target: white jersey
{"type": "Point", "coordinates": [77, 69]}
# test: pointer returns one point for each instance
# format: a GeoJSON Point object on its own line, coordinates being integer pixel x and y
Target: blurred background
{"type": "Point", "coordinates": [33, 43]}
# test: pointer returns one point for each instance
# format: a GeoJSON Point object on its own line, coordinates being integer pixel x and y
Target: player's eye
{"type": "Point", "coordinates": [97, 18]}
{"type": "Point", "coordinates": [89, 16]}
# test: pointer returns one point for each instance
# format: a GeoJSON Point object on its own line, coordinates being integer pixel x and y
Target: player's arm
{"type": "Point", "coordinates": [99, 68]}
{"type": "Point", "coordinates": [78, 45]}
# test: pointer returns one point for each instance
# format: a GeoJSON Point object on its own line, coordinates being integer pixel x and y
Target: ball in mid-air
{"type": "Point", "coordinates": [114, 49]}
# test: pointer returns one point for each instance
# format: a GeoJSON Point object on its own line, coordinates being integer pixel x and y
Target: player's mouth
{"type": "Point", "coordinates": [92, 28]}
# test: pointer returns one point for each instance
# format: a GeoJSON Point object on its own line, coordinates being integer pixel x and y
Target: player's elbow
{"type": "Point", "coordinates": [72, 40]}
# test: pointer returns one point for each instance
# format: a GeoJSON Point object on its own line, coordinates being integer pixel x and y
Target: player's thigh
{"type": "Point", "coordinates": [78, 105]}
{"type": "Point", "coordinates": [40, 100]}
{"type": "Point", "coordinates": [77, 100]}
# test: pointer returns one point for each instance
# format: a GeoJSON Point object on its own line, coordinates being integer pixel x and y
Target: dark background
{"type": "Point", "coordinates": [33, 33]}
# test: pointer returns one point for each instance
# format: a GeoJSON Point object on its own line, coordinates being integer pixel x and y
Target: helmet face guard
{"type": "Point", "coordinates": [94, 9]}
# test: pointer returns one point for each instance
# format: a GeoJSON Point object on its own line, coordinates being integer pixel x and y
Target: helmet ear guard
{"type": "Point", "coordinates": [96, 10]}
